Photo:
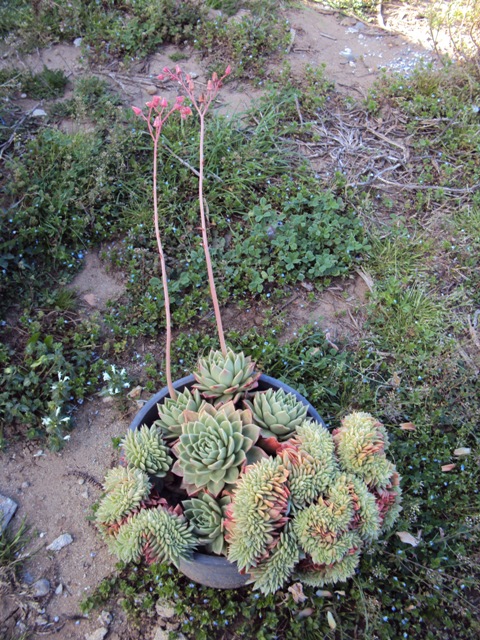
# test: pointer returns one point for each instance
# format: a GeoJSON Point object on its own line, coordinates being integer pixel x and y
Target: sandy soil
{"type": "Point", "coordinates": [55, 492]}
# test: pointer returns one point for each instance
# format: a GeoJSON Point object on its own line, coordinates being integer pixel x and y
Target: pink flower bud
{"type": "Point", "coordinates": [157, 123]}
{"type": "Point", "coordinates": [228, 70]}
{"type": "Point", "coordinates": [137, 111]}
{"type": "Point", "coordinates": [209, 86]}
{"type": "Point", "coordinates": [155, 101]}
{"type": "Point", "coordinates": [164, 103]}
{"type": "Point", "coordinates": [214, 76]}
{"type": "Point", "coordinates": [166, 70]}
{"type": "Point", "coordinates": [149, 104]}
{"type": "Point", "coordinates": [160, 76]}
{"type": "Point", "coordinates": [180, 99]}
{"type": "Point", "coordinates": [178, 70]}
{"type": "Point", "coordinates": [185, 112]}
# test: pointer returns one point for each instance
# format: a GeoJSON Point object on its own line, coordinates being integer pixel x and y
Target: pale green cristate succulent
{"type": "Point", "coordinates": [366, 520]}
{"type": "Point", "coordinates": [155, 533]}
{"type": "Point", "coordinates": [125, 489]}
{"type": "Point", "coordinates": [171, 415]}
{"type": "Point", "coordinates": [213, 447]}
{"type": "Point", "coordinates": [277, 413]}
{"type": "Point", "coordinates": [271, 575]}
{"type": "Point", "coordinates": [360, 444]}
{"type": "Point", "coordinates": [321, 533]}
{"type": "Point", "coordinates": [310, 460]}
{"type": "Point", "coordinates": [144, 449]}
{"type": "Point", "coordinates": [225, 377]}
{"type": "Point", "coordinates": [257, 512]}
{"type": "Point", "coordinates": [206, 516]}
{"type": "Point", "coordinates": [331, 573]}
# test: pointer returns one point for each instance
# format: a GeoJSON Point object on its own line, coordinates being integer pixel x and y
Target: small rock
{"type": "Point", "coordinates": [90, 299]}
{"type": "Point", "coordinates": [85, 494]}
{"type": "Point", "coordinates": [25, 485]}
{"type": "Point", "coordinates": [41, 621]}
{"type": "Point", "coordinates": [194, 75]}
{"type": "Point", "coordinates": [38, 113]}
{"type": "Point", "coordinates": [77, 42]}
{"type": "Point", "coordinates": [81, 481]}
{"type": "Point", "coordinates": [59, 590]}
{"type": "Point", "coordinates": [151, 90]}
{"type": "Point", "coordinates": [107, 400]}
{"type": "Point", "coordinates": [105, 618]}
{"type": "Point", "coordinates": [23, 95]}
{"type": "Point", "coordinates": [135, 393]}
{"type": "Point", "coordinates": [172, 626]}
{"type": "Point", "coordinates": [161, 634]}
{"type": "Point", "coordinates": [99, 634]}
{"type": "Point", "coordinates": [60, 542]}
{"type": "Point", "coordinates": [40, 588]}
{"type": "Point", "coordinates": [164, 609]}
{"type": "Point", "coordinates": [7, 509]}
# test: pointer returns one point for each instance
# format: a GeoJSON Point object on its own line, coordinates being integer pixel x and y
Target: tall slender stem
{"type": "Point", "coordinates": [166, 297]}
{"type": "Point", "coordinates": [211, 280]}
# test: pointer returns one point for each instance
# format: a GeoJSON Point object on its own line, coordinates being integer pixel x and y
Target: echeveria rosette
{"type": "Point", "coordinates": [311, 462]}
{"type": "Point", "coordinates": [171, 413]}
{"type": "Point", "coordinates": [360, 445]}
{"type": "Point", "coordinates": [213, 447]}
{"type": "Point", "coordinates": [157, 534]}
{"type": "Point", "coordinates": [125, 490]}
{"type": "Point", "coordinates": [223, 378]}
{"type": "Point", "coordinates": [206, 517]}
{"type": "Point", "coordinates": [257, 513]}
{"type": "Point", "coordinates": [144, 449]}
{"type": "Point", "coordinates": [277, 413]}
{"type": "Point", "coordinates": [271, 574]}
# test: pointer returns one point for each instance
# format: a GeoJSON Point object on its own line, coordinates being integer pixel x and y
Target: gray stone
{"type": "Point", "coordinates": [40, 588]}
{"type": "Point", "coordinates": [59, 590]}
{"type": "Point", "coordinates": [105, 618]}
{"type": "Point", "coordinates": [161, 634]}
{"type": "Point", "coordinates": [41, 621]}
{"type": "Point", "coordinates": [77, 42]}
{"type": "Point", "coordinates": [99, 634]}
{"type": "Point", "coordinates": [7, 509]}
{"type": "Point", "coordinates": [38, 113]}
{"type": "Point", "coordinates": [60, 542]}
{"type": "Point", "coordinates": [164, 609]}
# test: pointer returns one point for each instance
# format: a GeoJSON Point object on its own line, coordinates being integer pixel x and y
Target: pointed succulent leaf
{"type": "Point", "coordinates": [124, 491]}
{"type": "Point", "coordinates": [144, 449]}
{"type": "Point", "coordinates": [225, 377]}
{"type": "Point", "coordinates": [173, 413]}
{"type": "Point", "coordinates": [277, 412]}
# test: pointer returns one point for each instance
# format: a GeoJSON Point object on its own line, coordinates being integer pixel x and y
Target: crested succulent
{"type": "Point", "coordinates": [388, 501]}
{"type": "Point", "coordinates": [225, 377]}
{"type": "Point", "coordinates": [271, 575]}
{"type": "Point", "coordinates": [144, 449]}
{"type": "Point", "coordinates": [321, 532]}
{"type": "Point", "coordinates": [366, 520]}
{"type": "Point", "coordinates": [257, 513]}
{"type": "Point", "coordinates": [156, 533]}
{"type": "Point", "coordinates": [206, 516]}
{"type": "Point", "coordinates": [277, 413]}
{"type": "Point", "coordinates": [310, 460]}
{"type": "Point", "coordinates": [125, 489]}
{"type": "Point", "coordinates": [360, 444]}
{"type": "Point", "coordinates": [171, 415]}
{"type": "Point", "coordinates": [320, 575]}
{"type": "Point", "coordinates": [213, 447]}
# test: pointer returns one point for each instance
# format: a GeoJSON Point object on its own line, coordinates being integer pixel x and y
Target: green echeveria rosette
{"type": "Point", "coordinates": [125, 489]}
{"type": "Point", "coordinates": [277, 413]}
{"type": "Point", "coordinates": [311, 462]}
{"type": "Point", "coordinates": [360, 445]}
{"type": "Point", "coordinates": [257, 513]}
{"type": "Point", "coordinates": [271, 574]}
{"type": "Point", "coordinates": [171, 414]}
{"type": "Point", "coordinates": [158, 535]}
{"type": "Point", "coordinates": [213, 447]}
{"type": "Point", "coordinates": [144, 449]}
{"type": "Point", "coordinates": [206, 516]}
{"type": "Point", "coordinates": [222, 378]}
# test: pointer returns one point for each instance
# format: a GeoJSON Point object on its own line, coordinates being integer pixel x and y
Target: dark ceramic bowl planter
{"type": "Point", "coordinates": [212, 570]}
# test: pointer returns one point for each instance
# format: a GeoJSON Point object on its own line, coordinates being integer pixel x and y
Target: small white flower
{"type": "Point", "coordinates": [67, 437]}
{"type": "Point", "coordinates": [106, 376]}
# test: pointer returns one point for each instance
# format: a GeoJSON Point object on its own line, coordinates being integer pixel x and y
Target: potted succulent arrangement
{"type": "Point", "coordinates": [231, 475]}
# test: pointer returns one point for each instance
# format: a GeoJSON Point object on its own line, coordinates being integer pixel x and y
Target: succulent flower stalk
{"type": "Point", "coordinates": [144, 449]}
{"type": "Point", "coordinates": [225, 377]}
{"type": "Point", "coordinates": [277, 413]}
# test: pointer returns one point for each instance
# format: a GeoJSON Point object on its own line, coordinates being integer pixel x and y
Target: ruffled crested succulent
{"type": "Point", "coordinates": [388, 501]}
{"type": "Point", "coordinates": [321, 532]}
{"type": "Point", "coordinates": [213, 447]}
{"type": "Point", "coordinates": [159, 535]}
{"type": "Point", "coordinates": [206, 516]}
{"type": "Point", "coordinates": [257, 513]}
{"type": "Point", "coordinates": [310, 460]}
{"type": "Point", "coordinates": [360, 444]}
{"type": "Point", "coordinates": [366, 519]}
{"type": "Point", "coordinates": [271, 575]}
{"type": "Point", "coordinates": [144, 449]}
{"type": "Point", "coordinates": [277, 413]}
{"type": "Point", "coordinates": [125, 489]}
{"type": "Point", "coordinates": [320, 575]}
{"type": "Point", "coordinates": [225, 377]}
{"type": "Point", "coordinates": [171, 415]}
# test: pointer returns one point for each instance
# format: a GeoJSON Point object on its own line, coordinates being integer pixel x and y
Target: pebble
{"type": "Point", "coordinates": [41, 621]}
{"type": "Point", "coordinates": [38, 113]}
{"type": "Point", "coordinates": [59, 590]}
{"type": "Point", "coordinates": [164, 609]}
{"type": "Point", "coordinates": [98, 634]}
{"type": "Point", "coordinates": [40, 588]}
{"type": "Point", "coordinates": [105, 618]}
{"type": "Point", "coordinates": [77, 42]}
{"type": "Point", "coordinates": [81, 481]}
{"type": "Point", "coordinates": [7, 509]}
{"type": "Point", "coordinates": [135, 393]}
{"type": "Point", "coordinates": [25, 485]}
{"type": "Point", "coordinates": [60, 542]}
{"type": "Point", "coordinates": [151, 89]}
{"type": "Point", "coordinates": [85, 494]}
